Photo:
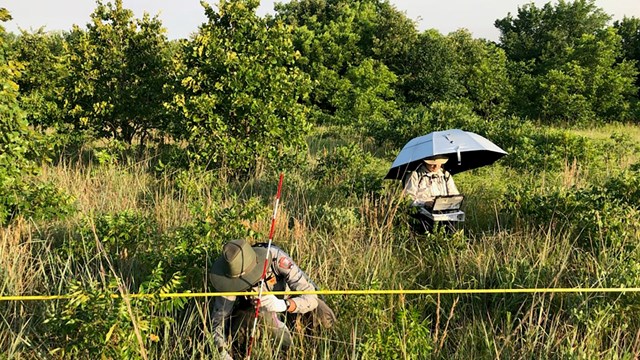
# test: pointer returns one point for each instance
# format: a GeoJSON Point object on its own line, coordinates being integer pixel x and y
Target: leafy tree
{"type": "Point", "coordinates": [590, 84]}
{"type": "Point", "coordinates": [14, 142]}
{"type": "Point", "coordinates": [347, 32]}
{"type": "Point", "coordinates": [629, 31]}
{"type": "Point", "coordinates": [41, 81]}
{"type": "Point", "coordinates": [19, 193]}
{"type": "Point", "coordinates": [367, 97]}
{"type": "Point", "coordinates": [240, 91]}
{"type": "Point", "coordinates": [548, 34]}
{"type": "Point", "coordinates": [482, 71]}
{"type": "Point", "coordinates": [331, 29]}
{"type": "Point", "coordinates": [563, 63]}
{"type": "Point", "coordinates": [392, 37]}
{"type": "Point", "coordinates": [456, 68]}
{"type": "Point", "coordinates": [336, 38]}
{"type": "Point", "coordinates": [118, 69]}
{"type": "Point", "coordinates": [432, 70]}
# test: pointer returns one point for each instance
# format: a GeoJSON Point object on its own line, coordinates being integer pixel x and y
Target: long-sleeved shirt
{"type": "Point", "coordinates": [423, 186]}
{"type": "Point", "coordinates": [283, 274]}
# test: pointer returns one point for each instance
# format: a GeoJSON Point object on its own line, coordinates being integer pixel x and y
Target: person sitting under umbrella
{"type": "Point", "coordinates": [428, 181]}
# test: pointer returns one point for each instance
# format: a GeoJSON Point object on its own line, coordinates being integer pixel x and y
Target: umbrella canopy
{"type": "Point", "coordinates": [465, 150]}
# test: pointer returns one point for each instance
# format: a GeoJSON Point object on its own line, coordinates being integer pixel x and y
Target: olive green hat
{"type": "Point", "coordinates": [238, 268]}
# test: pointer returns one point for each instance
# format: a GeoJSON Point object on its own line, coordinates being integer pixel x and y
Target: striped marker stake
{"type": "Point", "coordinates": [264, 269]}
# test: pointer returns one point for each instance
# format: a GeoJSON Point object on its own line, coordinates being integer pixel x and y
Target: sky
{"type": "Point", "coordinates": [182, 17]}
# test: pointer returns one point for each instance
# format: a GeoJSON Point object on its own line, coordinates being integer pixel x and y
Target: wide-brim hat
{"type": "Point", "coordinates": [436, 160]}
{"type": "Point", "coordinates": [239, 267]}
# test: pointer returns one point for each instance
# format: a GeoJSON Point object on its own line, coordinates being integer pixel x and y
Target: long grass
{"type": "Point", "coordinates": [366, 243]}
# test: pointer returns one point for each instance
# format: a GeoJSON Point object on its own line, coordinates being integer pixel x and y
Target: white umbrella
{"type": "Point", "coordinates": [465, 150]}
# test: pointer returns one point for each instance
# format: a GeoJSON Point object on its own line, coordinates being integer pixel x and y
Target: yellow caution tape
{"type": "Point", "coordinates": [341, 292]}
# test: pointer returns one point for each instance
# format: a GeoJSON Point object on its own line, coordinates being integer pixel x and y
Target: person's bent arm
{"type": "Point", "coordinates": [297, 280]}
{"type": "Point", "coordinates": [222, 308]}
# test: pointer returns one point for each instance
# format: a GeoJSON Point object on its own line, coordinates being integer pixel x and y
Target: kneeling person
{"type": "Point", "coordinates": [239, 268]}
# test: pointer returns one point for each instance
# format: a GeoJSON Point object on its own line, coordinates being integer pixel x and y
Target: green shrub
{"type": "Point", "coordinates": [618, 148]}
{"type": "Point", "coordinates": [125, 233]}
{"type": "Point", "coordinates": [20, 154]}
{"type": "Point", "coordinates": [239, 100]}
{"type": "Point", "coordinates": [407, 336]}
{"type": "Point", "coordinates": [419, 120]}
{"type": "Point", "coordinates": [46, 201]}
{"type": "Point", "coordinates": [115, 152]}
{"type": "Point", "coordinates": [625, 186]}
{"type": "Point", "coordinates": [607, 213]}
{"type": "Point", "coordinates": [351, 170]}
{"type": "Point", "coordinates": [333, 219]}
{"type": "Point", "coordinates": [93, 324]}
{"type": "Point", "coordinates": [190, 247]}
{"type": "Point", "coordinates": [128, 241]}
{"type": "Point", "coordinates": [196, 185]}
{"type": "Point", "coordinates": [412, 122]}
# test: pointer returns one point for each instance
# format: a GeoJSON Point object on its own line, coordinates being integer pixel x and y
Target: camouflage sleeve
{"type": "Point", "coordinates": [222, 308]}
{"type": "Point", "coordinates": [297, 280]}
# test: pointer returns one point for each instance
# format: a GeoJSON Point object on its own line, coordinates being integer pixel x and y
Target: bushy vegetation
{"type": "Point", "coordinates": [164, 150]}
{"type": "Point", "coordinates": [21, 152]}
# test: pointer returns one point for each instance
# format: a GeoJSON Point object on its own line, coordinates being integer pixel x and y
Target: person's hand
{"type": "Point", "coordinates": [272, 303]}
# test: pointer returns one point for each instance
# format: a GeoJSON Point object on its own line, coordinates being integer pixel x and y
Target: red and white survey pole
{"type": "Point", "coordinates": [264, 269]}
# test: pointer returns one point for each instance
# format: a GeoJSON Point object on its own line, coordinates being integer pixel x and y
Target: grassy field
{"type": "Point", "coordinates": [526, 227]}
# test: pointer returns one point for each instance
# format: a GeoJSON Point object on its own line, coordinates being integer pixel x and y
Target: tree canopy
{"type": "Point", "coordinates": [564, 63]}
{"type": "Point", "coordinates": [117, 71]}
{"type": "Point", "coordinates": [241, 91]}
{"type": "Point", "coordinates": [245, 89]}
